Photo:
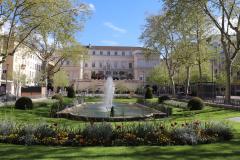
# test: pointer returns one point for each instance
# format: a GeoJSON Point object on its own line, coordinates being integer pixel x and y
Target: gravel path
{"type": "Point", "coordinates": [235, 119]}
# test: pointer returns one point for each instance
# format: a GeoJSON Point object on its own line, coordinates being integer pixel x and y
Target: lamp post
{"type": "Point", "coordinates": [212, 60]}
{"type": "Point", "coordinates": [143, 82]}
{"type": "Point", "coordinates": [6, 71]}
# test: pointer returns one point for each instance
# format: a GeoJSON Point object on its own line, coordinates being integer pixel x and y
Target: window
{"type": "Point", "coordinates": [115, 65]}
{"type": "Point", "coordinates": [93, 52]}
{"type": "Point", "coordinates": [86, 65]}
{"type": "Point", "coordinates": [115, 53]}
{"type": "Point", "coordinates": [108, 66]}
{"type": "Point", "coordinates": [101, 53]}
{"type": "Point", "coordinates": [100, 64]}
{"type": "Point", "coordinates": [238, 75]}
{"type": "Point", "coordinates": [93, 64]}
{"type": "Point", "coordinates": [123, 53]}
{"type": "Point", "coordinates": [130, 53]}
{"type": "Point", "coordinates": [108, 53]}
{"type": "Point", "coordinates": [130, 65]}
{"type": "Point", "coordinates": [67, 62]}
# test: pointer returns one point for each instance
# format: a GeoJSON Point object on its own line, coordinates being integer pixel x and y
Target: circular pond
{"type": "Point", "coordinates": [122, 111]}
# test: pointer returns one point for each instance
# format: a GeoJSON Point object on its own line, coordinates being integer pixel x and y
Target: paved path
{"type": "Point", "coordinates": [13, 102]}
{"type": "Point", "coordinates": [232, 97]}
{"type": "Point", "coordinates": [234, 119]}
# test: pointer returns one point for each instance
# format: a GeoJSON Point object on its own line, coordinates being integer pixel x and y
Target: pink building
{"type": "Point", "coordinates": [127, 65]}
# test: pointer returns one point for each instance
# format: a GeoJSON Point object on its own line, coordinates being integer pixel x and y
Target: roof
{"type": "Point", "coordinates": [114, 48]}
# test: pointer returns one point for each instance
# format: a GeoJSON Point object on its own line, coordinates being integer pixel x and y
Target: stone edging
{"type": "Point", "coordinates": [72, 116]}
{"type": "Point", "coordinates": [225, 106]}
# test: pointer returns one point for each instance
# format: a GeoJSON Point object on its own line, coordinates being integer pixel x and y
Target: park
{"type": "Point", "coordinates": [174, 95]}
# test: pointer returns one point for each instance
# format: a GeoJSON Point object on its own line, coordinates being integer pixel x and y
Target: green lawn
{"type": "Point", "coordinates": [217, 151]}
{"type": "Point", "coordinates": [225, 150]}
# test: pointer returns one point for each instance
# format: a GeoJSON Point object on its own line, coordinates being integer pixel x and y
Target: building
{"type": "Point", "coordinates": [127, 65]}
{"type": "Point", "coordinates": [218, 68]}
{"type": "Point", "coordinates": [20, 69]}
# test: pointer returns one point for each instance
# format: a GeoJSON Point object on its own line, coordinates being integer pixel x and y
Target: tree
{"type": "Point", "coordinates": [160, 36]}
{"type": "Point", "coordinates": [53, 41]}
{"type": "Point", "coordinates": [186, 55]}
{"type": "Point", "coordinates": [158, 75]}
{"type": "Point", "coordinates": [190, 19]}
{"type": "Point", "coordinates": [73, 52]}
{"type": "Point", "coordinates": [60, 79]}
{"type": "Point", "coordinates": [20, 18]}
{"type": "Point", "coordinates": [225, 15]}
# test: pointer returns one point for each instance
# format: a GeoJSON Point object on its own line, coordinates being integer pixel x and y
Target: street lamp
{"type": "Point", "coordinates": [213, 86]}
{"type": "Point", "coordinates": [6, 81]}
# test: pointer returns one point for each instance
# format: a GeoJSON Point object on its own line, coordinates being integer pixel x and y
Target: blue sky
{"type": "Point", "coordinates": [117, 22]}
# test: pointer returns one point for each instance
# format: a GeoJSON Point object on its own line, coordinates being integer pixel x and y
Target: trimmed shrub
{"type": "Point", "coordinates": [24, 103]}
{"type": "Point", "coordinates": [70, 92]}
{"type": "Point", "coordinates": [141, 100]}
{"type": "Point", "coordinates": [56, 107]}
{"type": "Point", "coordinates": [112, 112]}
{"type": "Point", "coordinates": [162, 99]}
{"type": "Point", "coordinates": [148, 94]}
{"type": "Point", "coordinates": [165, 109]}
{"type": "Point", "coordinates": [195, 103]}
{"type": "Point", "coordinates": [59, 98]}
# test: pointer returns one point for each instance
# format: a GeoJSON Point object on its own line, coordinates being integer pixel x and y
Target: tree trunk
{"type": "Point", "coordinates": [200, 71]}
{"type": "Point", "coordinates": [173, 86]}
{"type": "Point", "coordinates": [228, 82]}
{"type": "Point", "coordinates": [187, 80]}
{"type": "Point", "coordinates": [199, 52]}
{"type": "Point", "coordinates": [45, 75]}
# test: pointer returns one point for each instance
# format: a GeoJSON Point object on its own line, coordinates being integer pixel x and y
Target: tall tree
{"type": "Point", "coordinates": [225, 15]}
{"type": "Point", "coordinates": [189, 14]}
{"type": "Point", "coordinates": [159, 75]}
{"type": "Point", "coordinates": [60, 79]}
{"type": "Point", "coordinates": [19, 18]}
{"type": "Point", "coordinates": [50, 40]}
{"type": "Point", "coordinates": [159, 36]}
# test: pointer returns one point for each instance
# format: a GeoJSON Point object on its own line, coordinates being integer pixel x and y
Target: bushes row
{"type": "Point", "coordinates": [162, 99]}
{"type": "Point", "coordinates": [195, 103]}
{"type": "Point", "coordinates": [111, 135]}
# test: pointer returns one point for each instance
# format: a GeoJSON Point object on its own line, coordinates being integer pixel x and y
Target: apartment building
{"type": "Point", "coordinates": [20, 69]}
{"type": "Point", "coordinates": [126, 65]}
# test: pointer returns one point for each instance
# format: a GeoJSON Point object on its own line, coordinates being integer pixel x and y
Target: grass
{"type": "Point", "coordinates": [217, 151]}
{"type": "Point", "coordinates": [226, 150]}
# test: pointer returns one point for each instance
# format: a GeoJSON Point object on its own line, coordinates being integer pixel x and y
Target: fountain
{"type": "Point", "coordinates": [108, 95]}
{"type": "Point", "coordinates": [106, 111]}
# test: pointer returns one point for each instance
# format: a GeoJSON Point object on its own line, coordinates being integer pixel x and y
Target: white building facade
{"type": "Point", "coordinates": [21, 69]}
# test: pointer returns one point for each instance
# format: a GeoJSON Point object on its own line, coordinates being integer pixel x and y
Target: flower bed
{"type": "Point", "coordinates": [107, 134]}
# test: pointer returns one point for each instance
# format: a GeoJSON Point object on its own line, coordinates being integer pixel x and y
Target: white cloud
{"type": "Point", "coordinates": [115, 28]}
{"type": "Point", "coordinates": [214, 30]}
{"type": "Point", "coordinates": [109, 42]}
{"type": "Point", "coordinates": [92, 6]}
{"type": "Point", "coordinates": [5, 28]}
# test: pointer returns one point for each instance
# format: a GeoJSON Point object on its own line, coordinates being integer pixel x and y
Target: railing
{"type": "Point", "coordinates": [234, 102]}
{"type": "Point", "coordinates": [217, 100]}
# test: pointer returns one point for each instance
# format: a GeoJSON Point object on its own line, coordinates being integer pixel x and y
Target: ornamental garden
{"type": "Point", "coordinates": [177, 96]}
